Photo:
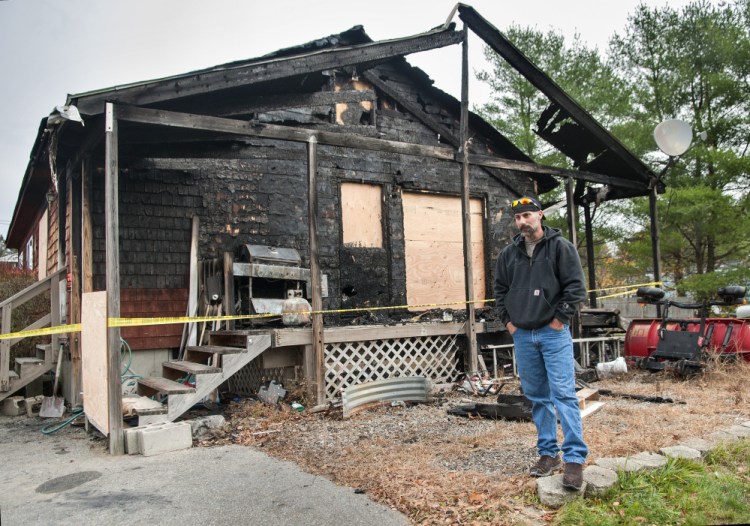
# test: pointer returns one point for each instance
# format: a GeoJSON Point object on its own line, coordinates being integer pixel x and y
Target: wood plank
{"type": "Point", "coordinates": [592, 408]}
{"type": "Point", "coordinates": [191, 367]}
{"type": "Point", "coordinates": [162, 385]}
{"type": "Point", "coordinates": [94, 359]}
{"type": "Point", "coordinates": [214, 349]}
{"type": "Point", "coordinates": [289, 337]}
{"type": "Point", "coordinates": [209, 81]}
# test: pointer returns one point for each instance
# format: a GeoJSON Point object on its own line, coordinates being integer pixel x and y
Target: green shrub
{"type": "Point", "coordinates": [12, 281]}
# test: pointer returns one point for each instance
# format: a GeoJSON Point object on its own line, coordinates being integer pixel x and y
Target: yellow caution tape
{"type": "Point", "coordinates": [139, 322]}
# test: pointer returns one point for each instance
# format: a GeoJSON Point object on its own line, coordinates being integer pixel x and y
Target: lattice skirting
{"type": "Point", "coordinates": [352, 363]}
{"type": "Point", "coordinates": [248, 380]}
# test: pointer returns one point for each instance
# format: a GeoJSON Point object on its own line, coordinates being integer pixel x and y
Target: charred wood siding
{"type": "Point", "coordinates": [253, 190]}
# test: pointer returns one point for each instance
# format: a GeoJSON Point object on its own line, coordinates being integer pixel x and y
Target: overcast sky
{"type": "Point", "coordinates": [51, 48]}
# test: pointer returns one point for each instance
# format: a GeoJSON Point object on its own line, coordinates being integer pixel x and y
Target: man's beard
{"type": "Point", "coordinates": [528, 231]}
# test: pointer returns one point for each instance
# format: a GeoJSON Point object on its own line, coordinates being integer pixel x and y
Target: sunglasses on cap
{"type": "Point", "coordinates": [523, 201]}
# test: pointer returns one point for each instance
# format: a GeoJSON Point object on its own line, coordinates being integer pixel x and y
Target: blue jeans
{"type": "Point", "coordinates": [544, 358]}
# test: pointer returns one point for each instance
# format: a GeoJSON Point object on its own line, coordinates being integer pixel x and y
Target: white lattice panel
{"type": "Point", "coordinates": [248, 380]}
{"type": "Point", "coordinates": [352, 363]}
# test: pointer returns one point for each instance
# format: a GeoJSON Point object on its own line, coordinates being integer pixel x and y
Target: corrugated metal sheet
{"type": "Point", "coordinates": [405, 389]}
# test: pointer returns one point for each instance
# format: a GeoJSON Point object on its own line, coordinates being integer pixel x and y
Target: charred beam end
{"type": "Point", "coordinates": [507, 164]}
{"type": "Point", "coordinates": [245, 75]}
{"type": "Point", "coordinates": [495, 39]}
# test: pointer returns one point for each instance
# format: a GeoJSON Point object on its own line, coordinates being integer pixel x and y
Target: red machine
{"type": "Point", "coordinates": [683, 344]}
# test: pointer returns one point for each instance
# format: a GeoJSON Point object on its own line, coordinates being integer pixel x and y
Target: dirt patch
{"type": "Point", "coordinates": [443, 469]}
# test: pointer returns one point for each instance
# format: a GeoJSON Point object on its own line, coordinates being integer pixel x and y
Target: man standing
{"type": "Point", "coordinates": [538, 286]}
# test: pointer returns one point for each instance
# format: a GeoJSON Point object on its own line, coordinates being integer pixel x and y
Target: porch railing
{"type": "Point", "coordinates": [50, 283]}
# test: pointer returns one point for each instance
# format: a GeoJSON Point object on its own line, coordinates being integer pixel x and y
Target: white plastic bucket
{"type": "Point", "coordinates": [617, 366]}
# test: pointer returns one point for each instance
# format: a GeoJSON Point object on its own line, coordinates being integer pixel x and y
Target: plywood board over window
{"type": "Point", "coordinates": [361, 215]}
{"type": "Point", "coordinates": [433, 238]}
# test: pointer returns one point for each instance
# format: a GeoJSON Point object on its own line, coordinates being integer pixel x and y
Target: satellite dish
{"type": "Point", "coordinates": [673, 136]}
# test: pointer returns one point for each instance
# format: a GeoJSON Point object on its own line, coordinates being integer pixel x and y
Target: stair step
{"type": "Point", "coordinates": [25, 365]}
{"type": "Point", "coordinates": [215, 349]}
{"type": "Point", "coordinates": [141, 406]}
{"type": "Point", "coordinates": [42, 350]}
{"type": "Point", "coordinates": [163, 385]}
{"type": "Point", "coordinates": [191, 367]}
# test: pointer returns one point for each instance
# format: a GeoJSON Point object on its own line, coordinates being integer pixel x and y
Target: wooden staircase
{"type": "Point", "coordinates": [213, 364]}
{"type": "Point", "coordinates": [28, 369]}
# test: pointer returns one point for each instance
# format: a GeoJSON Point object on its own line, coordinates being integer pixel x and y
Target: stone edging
{"type": "Point", "coordinates": [598, 478]}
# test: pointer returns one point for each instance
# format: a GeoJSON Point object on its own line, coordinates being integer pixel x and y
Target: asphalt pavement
{"type": "Point", "coordinates": [68, 477]}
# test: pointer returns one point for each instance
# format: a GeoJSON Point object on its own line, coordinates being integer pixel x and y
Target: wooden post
{"type": "Point", "coordinates": [590, 263]}
{"type": "Point", "coordinates": [192, 328]}
{"type": "Point", "coordinates": [317, 301]}
{"type": "Point", "coordinates": [229, 289]}
{"type": "Point", "coordinates": [74, 260]}
{"type": "Point", "coordinates": [87, 258]}
{"type": "Point", "coordinates": [575, 322]}
{"type": "Point", "coordinates": [111, 202]}
{"type": "Point", "coordinates": [471, 329]}
{"type": "Point", "coordinates": [5, 321]}
{"type": "Point", "coordinates": [655, 235]}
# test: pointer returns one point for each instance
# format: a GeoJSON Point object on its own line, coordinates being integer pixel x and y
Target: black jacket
{"type": "Point", "coordinates": [530, 292]}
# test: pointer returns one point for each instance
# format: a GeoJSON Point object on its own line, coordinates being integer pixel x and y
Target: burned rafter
{"type": "Point", "coordinates": [628, 175]}
{"type": "Point", "coordinates": [287, 101]}
{"type": "Point", "coordinates": [288, 133]}
{"type": "Point", "coordinates": [436, 126]}
{"type": "Point", "coordinates": [257, 71]}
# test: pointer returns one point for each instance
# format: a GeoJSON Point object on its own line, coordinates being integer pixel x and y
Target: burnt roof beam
{"type": "Point", "coordinates": [495, 39]}
{"type": "Point", "coordinates": [288, 133]}
{"type": "Point", "coordinates": [214, 80]}
{"type": "Point", "coordinates": [428, 121]}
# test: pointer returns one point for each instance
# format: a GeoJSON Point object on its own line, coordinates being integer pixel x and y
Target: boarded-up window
{"type": "Point", "coordinates": [433, 238]}
{"type": "Point", "coordinates": [361, 215]}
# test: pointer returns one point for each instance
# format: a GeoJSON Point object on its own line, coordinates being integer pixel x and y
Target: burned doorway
{"type": "Point", "coordinates": [364, 261]}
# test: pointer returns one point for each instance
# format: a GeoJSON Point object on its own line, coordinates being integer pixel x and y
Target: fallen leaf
{"type": "Point", "coordinates": [476, 498]}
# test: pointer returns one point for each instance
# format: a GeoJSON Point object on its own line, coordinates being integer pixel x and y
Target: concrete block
{"type": "Point", "coordinates": [681, 452]}
{"type": "Point", "coordinates": [598, 480]}
{"type": "Point", "coordinates": [552, 493]}
{"type": "Point", "coordinates": [131, 439]}
{"type": "Point", "coordinates": [13, 406]}
{"type": "Point", "coordinates": [33, 405]}
{"type": "Point", "coordinates": [162, 438]}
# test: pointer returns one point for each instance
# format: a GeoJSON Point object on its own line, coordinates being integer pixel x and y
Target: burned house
{"type": "Point", "coordinates": [334, 170]}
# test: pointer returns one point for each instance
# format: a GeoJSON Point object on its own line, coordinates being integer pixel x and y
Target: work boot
{"type": "Point", "coordinates": [545, 466]}
{"type": "Point", "coordinates": [573, 476]}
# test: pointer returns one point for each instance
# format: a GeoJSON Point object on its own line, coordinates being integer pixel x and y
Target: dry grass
{"type": "Point", "coordinates": [450, 470]}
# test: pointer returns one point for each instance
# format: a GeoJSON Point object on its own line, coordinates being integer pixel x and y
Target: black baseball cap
{"type": "Point", "coordinates": [526, 204]}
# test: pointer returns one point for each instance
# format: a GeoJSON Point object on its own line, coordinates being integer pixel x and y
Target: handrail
{"type": "Point", "coordinates": [30, 292]}
{"type": "Point", "coordinates": [49, 283]}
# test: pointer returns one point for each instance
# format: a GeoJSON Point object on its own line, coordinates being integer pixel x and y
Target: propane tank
{"type": "Point", "coordinates": [743, 312]}
{"type": "Point", "coordinates": [295, 310]}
